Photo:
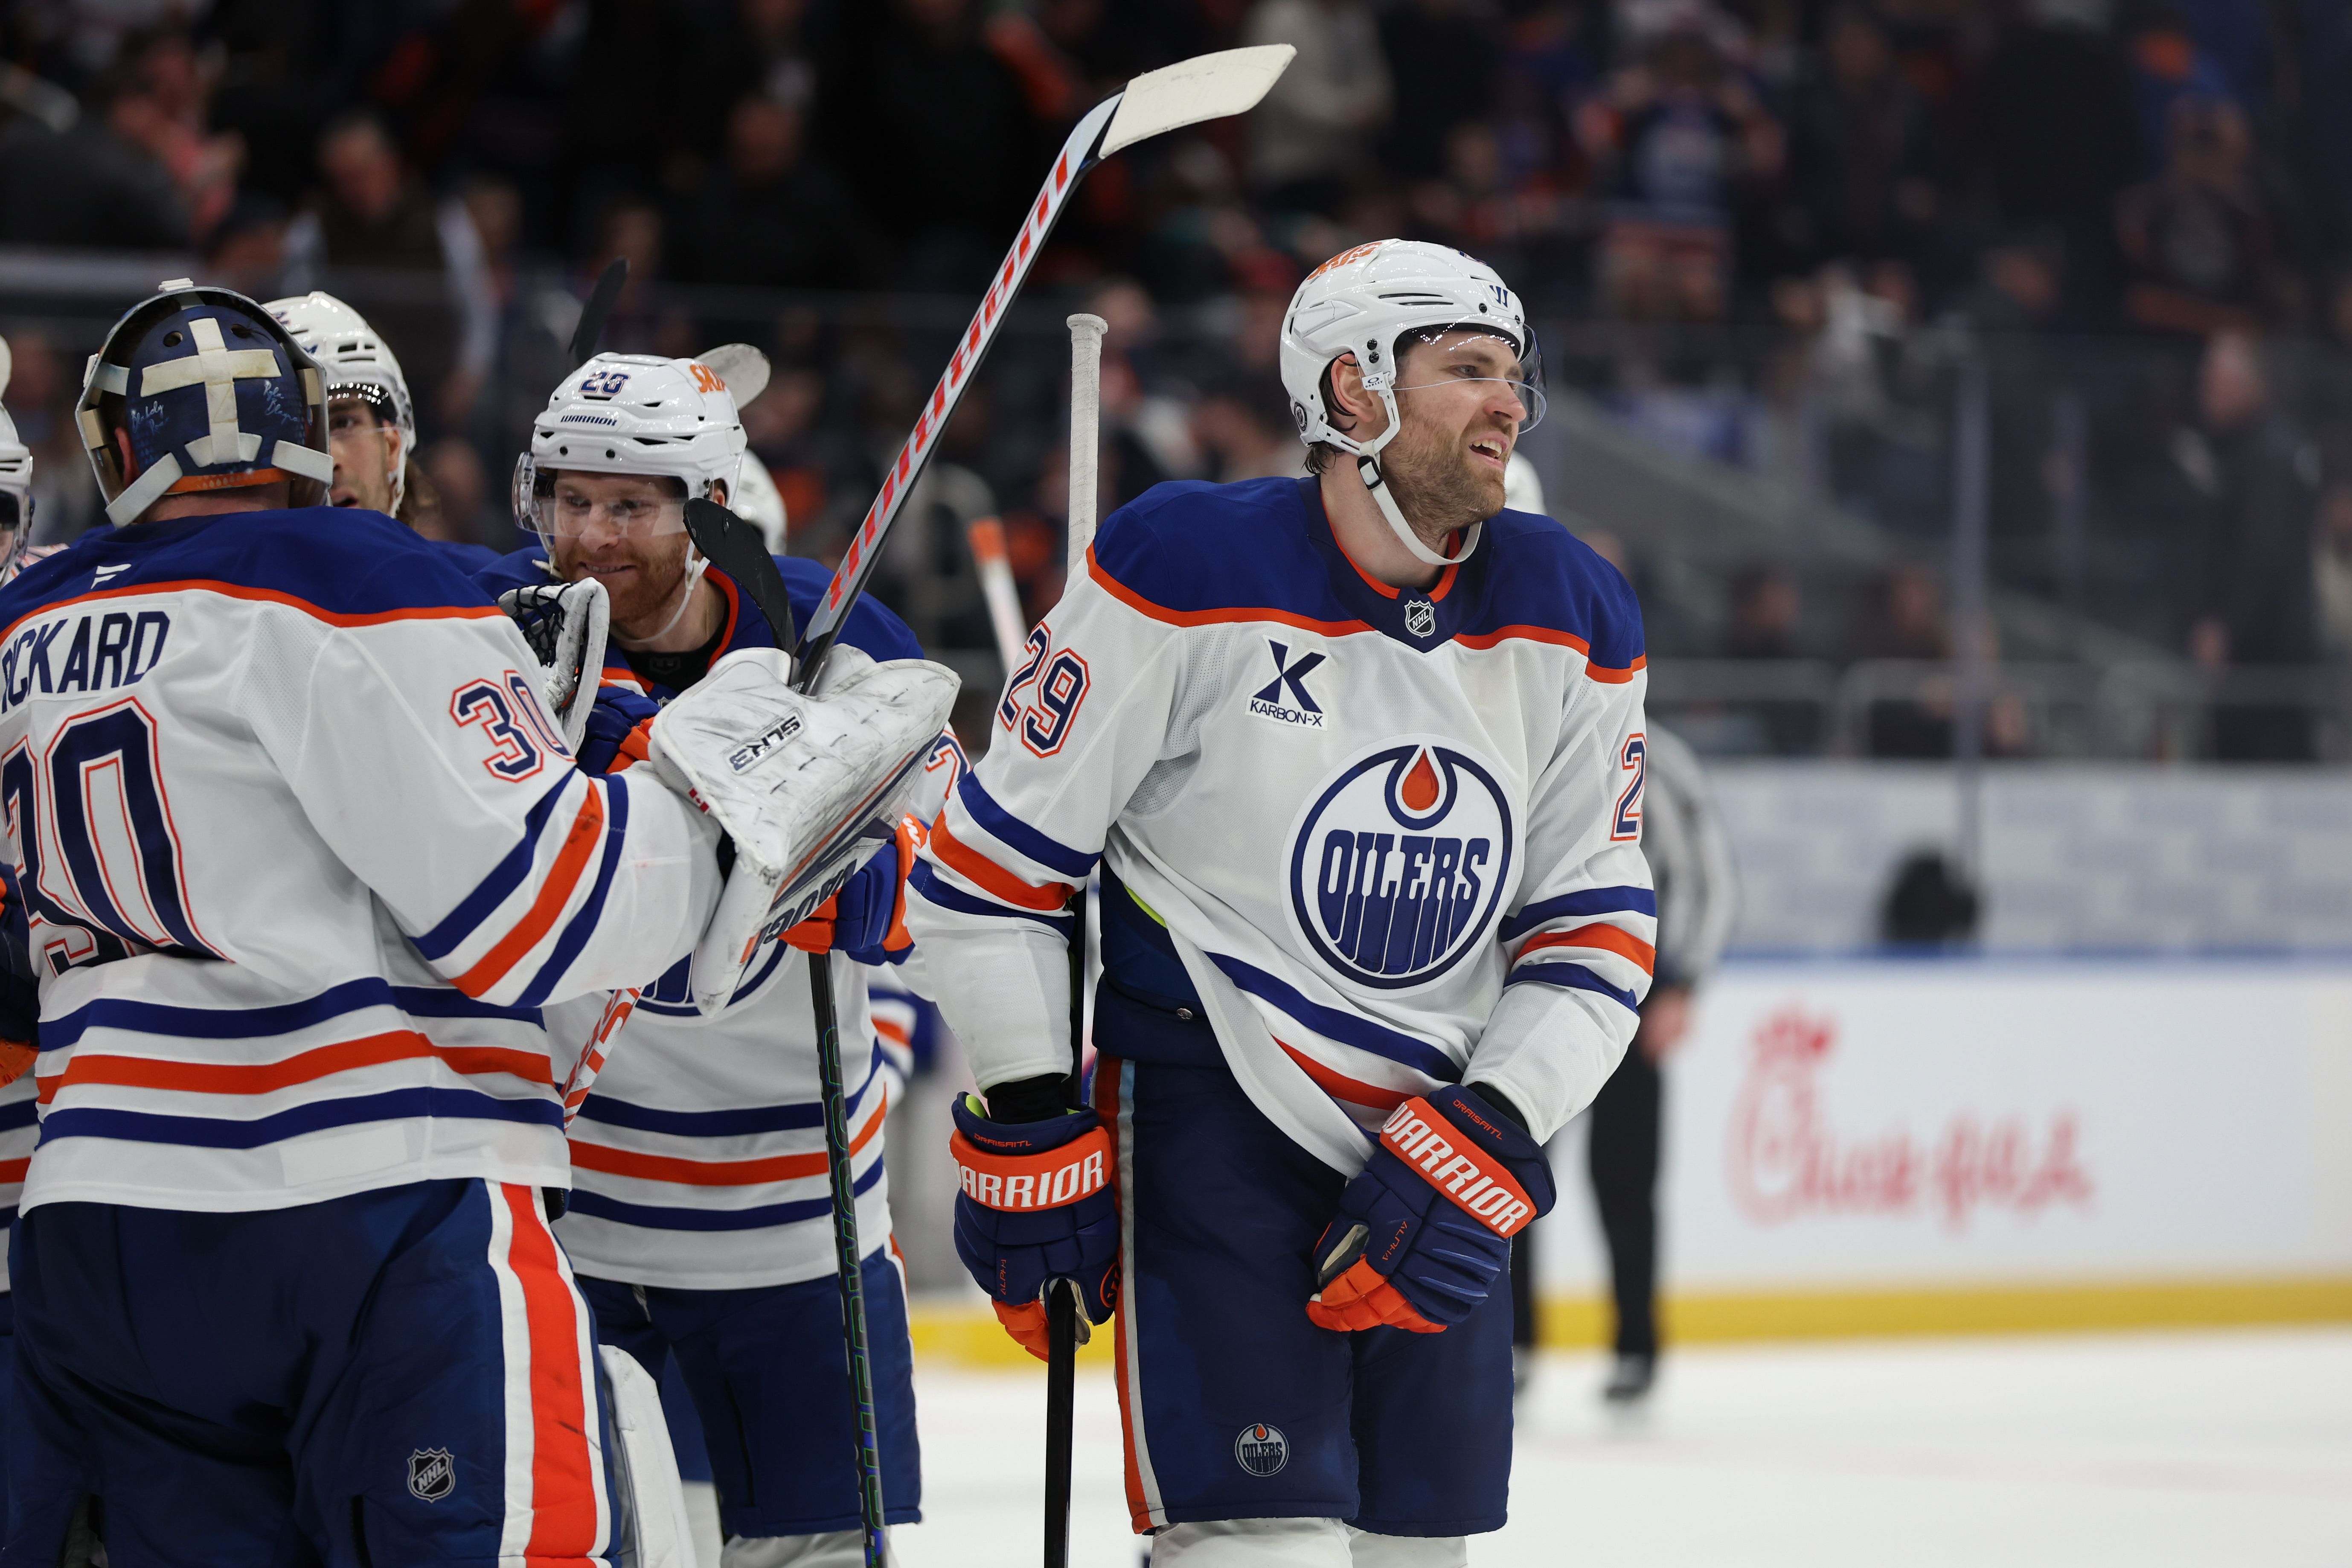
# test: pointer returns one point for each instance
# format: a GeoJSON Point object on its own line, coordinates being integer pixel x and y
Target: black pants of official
{"type": "Point", "coordinates": [1621, 1155]}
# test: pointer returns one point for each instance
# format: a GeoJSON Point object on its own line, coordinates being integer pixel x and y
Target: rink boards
{"type": "Point", "coordinates": [1858, 1146]}
{"type": "Point", "coordinates": [1871, 1146]}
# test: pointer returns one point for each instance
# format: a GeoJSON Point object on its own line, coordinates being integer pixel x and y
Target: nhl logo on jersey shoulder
{"type": "Point", "coordinates": [1261, 1450]}
{"type": "Point", "coordinates": [1398, 866]}
{"type": "Point", "coordinates": [1419, 617]}
{"type": "Point", "coordinates": [432, 1474]}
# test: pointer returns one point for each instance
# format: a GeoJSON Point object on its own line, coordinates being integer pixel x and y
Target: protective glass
{"type": "Point", "coordinates": [1452, 356]}
{"type": "Point", "coordinates": [597, 507]}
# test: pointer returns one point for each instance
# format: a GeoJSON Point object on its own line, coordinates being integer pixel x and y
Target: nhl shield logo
{"type": "Point", "coordinates": [1261, 1450]}
{"type": "Point", "coordinates": [432, 1474]}
{"type": "Point", "coordinates": [1419, 617]}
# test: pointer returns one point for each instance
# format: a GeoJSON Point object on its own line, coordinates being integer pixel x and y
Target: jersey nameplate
{"type": "Point", "coordinates": [106, 650]}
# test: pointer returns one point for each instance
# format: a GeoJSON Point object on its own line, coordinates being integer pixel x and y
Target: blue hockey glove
{"type": "Point", "coordinates": [617, 729]}
{"type": "Point", "coordinates": [1425, 1229]}
{"type": "Point", "coordinates": [867, 917]}
{"type": "Point", "coordinates": [1036, 1206]}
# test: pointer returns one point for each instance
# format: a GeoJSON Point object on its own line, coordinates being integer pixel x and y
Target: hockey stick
{"type": "Point", "coordinates": [986, 536]}
{"type": "Point", "coordinates": [1062, 1315]}
{"type": "Point", "coordinates": [1207, 87]}
{"type": "Point", "coordinates": [597, 311]}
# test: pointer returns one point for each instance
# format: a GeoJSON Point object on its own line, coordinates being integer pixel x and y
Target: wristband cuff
{"type": "Point", "coordinates": [1471, 1179]}
{"type": "Point", "coordinates": [1026, 1183]}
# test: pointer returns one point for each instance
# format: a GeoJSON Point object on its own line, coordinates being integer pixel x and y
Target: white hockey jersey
{"type": "Point", "coordinates": [699, 1159]}
{"type": "Point", "coordinates": [1383, 840]}
{"type": "Point", "coordinates": [303, 856]}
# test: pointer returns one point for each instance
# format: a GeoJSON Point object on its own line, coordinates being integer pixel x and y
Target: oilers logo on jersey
{"type": "Point", "coordinates": [1399, 865]}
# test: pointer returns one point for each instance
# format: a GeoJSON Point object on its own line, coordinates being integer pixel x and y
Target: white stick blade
{"type": "Point", "coordinates": [1206, 87]}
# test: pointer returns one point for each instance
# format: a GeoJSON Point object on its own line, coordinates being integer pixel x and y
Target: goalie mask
{"type": "Point", "coordinates": [15, 486]}
{"type": "Point", "coordinates": [1373, 302]}
{"type": "Point", "coordinates": [212, 394]}
{"type": "Point", "coordinates": [357, 365]}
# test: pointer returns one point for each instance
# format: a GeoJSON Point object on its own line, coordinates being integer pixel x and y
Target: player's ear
{"type": "Point", "coordinates": [718, 491]}
{"type": "Point", "coordinates": [124, 460]}
{"type": "Point", "coordinates": [1349, 400]}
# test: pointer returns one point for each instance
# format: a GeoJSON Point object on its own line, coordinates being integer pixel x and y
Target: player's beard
{"type": "Point", "coordinates": [1438, 484]}
{"type": "Point", "coordinates": [644, 601]}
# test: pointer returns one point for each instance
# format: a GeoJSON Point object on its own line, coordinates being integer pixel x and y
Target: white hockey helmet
{"type": "Point", "coordinates": [757, 501]}
{"type": "Point", "coordinates": [1366, 301]}
{"type": "Point", "coordinates": [632, 414]}
{"type": "Point", "coordinates": [16, 484]}
{"type": "Point", "coordinates": [357, 362]}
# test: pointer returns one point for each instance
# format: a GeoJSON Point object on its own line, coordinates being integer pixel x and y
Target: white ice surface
{"type": "Point", "coordinates": [2148, 1450]}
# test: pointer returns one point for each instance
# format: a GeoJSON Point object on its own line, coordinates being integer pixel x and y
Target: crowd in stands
{"type": "Point", "coordinates": [1760, 221]}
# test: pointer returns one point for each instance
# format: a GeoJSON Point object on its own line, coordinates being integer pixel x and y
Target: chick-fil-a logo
{"type": "Point", "coordinates": [1786, 1162]}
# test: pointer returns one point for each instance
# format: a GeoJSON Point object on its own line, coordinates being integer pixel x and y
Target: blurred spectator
{"type": "Point", "coordinates": [1680, 138]}
{"type": "Point", "coordinates": [1322, 121]}
{"type": "Point", "coordinates": [948, 199]}
{"type": "Point", "coordinates": [419, 263]}
{"type": "Point", "coordinates": [1762, 623]}
{"type": "Point", "coordinates": [2331, 566]}
{"type": "Point", "coordinates": [2052, 123]}
{"type": "Point", "coordinates": [246, 249]}
{"type": "Point", "coordinates": [757, 47]}
{"type": "Point", "coordinates": [2194, 241]}
{"type": "Point", "coordinates": [99, 184]}
{"type": "Point", "coordinates": [42, 388]}
{"type": "Point", "coordinates": [1905, 621]}
{"type": "Point", "coordinates": [1764, 611]}
{"type": "Point", "coordinates": [165, 113]}
{"type": "Point", "coordinates": [2257, 600]}
{"type": "Point", "coordinates": [2167, 70]}
{"type": "Point", "coordinates": [459, 509]}
{"type": "Point", "coordinates": [1442, 57]}
{"type": "Point", "coordinates": [1861, 167]}
{"type": "Point", "coordinates": [772, 217]}
{"type": "Point", "coordinates": [1242, 428]}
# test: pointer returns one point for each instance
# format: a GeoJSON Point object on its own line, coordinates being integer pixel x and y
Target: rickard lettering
{"type": "Point", "coordinates": [1486, 1192]}
{"type": "Point", "coordinates": [88, 653]}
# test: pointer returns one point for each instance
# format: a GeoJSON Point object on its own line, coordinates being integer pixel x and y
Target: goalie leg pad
{"type": "Point", "coordinates": [648, 1498]}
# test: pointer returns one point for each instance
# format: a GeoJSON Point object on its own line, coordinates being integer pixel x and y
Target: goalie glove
{"type": "Point", "coordinates": [803, 786]}
{"type": "Point", "coordinates": [566, 625]}
{"type": "Point", "coordinates": [1425, 1229]}
{"type": "Point", "coordinates": [1036, 1206]}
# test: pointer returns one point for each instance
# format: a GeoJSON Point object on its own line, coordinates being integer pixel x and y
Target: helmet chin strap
{"type": "Point", "coordinates": [1368, 469]}
{"type": "Point", "coordinates": [694, 571]}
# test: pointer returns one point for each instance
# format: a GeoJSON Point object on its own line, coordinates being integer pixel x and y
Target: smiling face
{"type": "Point", "coordinates": [1462, 415]}
{"type": "Point", "coordinates": [627, 531]}
{"type": "Point", "coordinates": [366, 452]}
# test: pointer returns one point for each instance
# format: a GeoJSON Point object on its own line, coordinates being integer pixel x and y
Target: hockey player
{"type": "Point", "coordinates": [1360, 757]}
{"type": "Point", "coordinates": [700, 1218]}
{"type": "Point", "coordinates": [371, 421]}
{"type": "Point", "coordinates": [303, 856]}
{"type": "Point", "coordinates": [19, 999]}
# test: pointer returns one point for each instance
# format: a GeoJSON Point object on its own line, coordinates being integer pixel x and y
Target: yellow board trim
{"type": "Point", "coordinates": [970, 1336]}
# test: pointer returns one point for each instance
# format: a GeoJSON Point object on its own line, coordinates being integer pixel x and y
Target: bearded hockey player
{"type": "Point", "coordinates": [1359, 758]}
{"type": "Point", "coordinates": [303, 856]}
{"type": "Point", "coordinates": [700, 1218]}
